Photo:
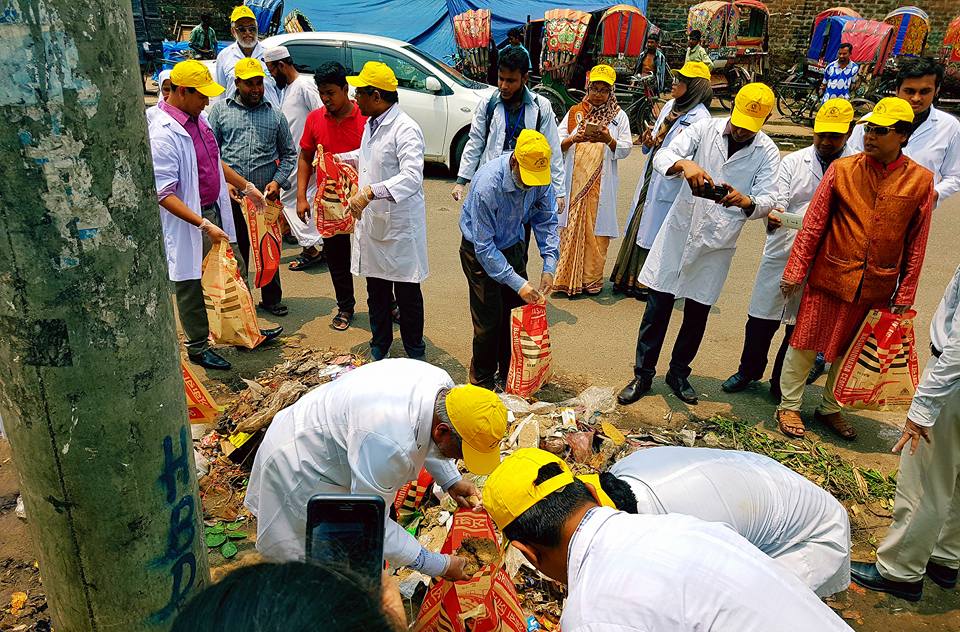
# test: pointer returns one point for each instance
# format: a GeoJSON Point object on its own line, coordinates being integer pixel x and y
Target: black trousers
{"type": "Point", "coordinates": [337, 249]}
{"type": "Point", "coordinates": [758, 336]}
{"type": "Point", "coordinates": [380, 293]}
{"type": "Point", "coordinates": [271, 293]}
{"type": "Point", "coordinates": [653, 329]}
{"type": "Point", "coordinates": [490, 305]}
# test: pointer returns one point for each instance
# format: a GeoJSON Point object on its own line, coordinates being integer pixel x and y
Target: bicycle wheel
{"type": "Point", "coordinates": [791, 98]}
{"type": "Point", "coordinates": [557, 102]}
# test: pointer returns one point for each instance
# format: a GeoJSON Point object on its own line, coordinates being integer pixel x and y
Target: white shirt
{"type": "Point", "coordinates": [175, 162]}
{"type": "Point", "coordinates": [780, 512]}
{"type": "Point", "coordinates": [297, 100]}
{"type": "Point", "coordinates": [390, 240]}
{"type": "Point", "coordinates": [942, 380]}
{"type": "Point", "coordinates": [479, 150]}
{"type": "Point", "coordinates": [662, 192]}
{"type": "Point", "coordinates": [678, 574]}
{"type": "Point", "coordinates": [367, 432]}
{"type": "Point", "coordinates": [225, 74]}
{"type": "Point", "coordinates": [691, 254]}
{"type": "Point", "coordinates": [619, 129]}
{"type": "Point", "coordinates": [798, 177]}
{"type": "Point", "coordinates": [934, 145]}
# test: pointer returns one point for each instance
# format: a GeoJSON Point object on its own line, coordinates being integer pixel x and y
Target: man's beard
{"type": "Point", "coordinates": [247, 41]}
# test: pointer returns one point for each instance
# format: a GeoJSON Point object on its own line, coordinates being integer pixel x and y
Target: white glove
{"type": "Point", "coordinates": [258, 199]}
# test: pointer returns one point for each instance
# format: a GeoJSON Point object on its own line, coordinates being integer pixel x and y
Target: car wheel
{"type": "Point", "coordinates": [457, 151]}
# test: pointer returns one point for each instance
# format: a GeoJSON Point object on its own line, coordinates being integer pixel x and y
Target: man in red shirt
{"type": "Point", "coordinates": [338, 128]}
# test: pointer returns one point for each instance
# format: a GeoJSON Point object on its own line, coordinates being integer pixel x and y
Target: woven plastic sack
{"type": "Point", "coordinates": [230, 312]}
{"type": "Point", "coordinates": [336, 183]}
{"type": "Point", "coordinates": [880, 370]}
{"type": "Point", "coordinates": [264, 239]}
{"type": "Point", "coordinates": [201, 409]}
{"type": "Point", "coordinates": [531, 360]}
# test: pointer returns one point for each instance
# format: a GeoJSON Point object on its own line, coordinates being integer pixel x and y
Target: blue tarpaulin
{"type": "Point", "coordinates": [428, 24]}
{"type": "Point", "coordinates": [825, 42]}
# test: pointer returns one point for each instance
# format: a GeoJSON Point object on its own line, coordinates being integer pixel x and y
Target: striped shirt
{"type": "Point", "coordinates": [256, 142]}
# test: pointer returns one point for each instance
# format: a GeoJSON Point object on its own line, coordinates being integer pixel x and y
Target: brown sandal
{"type": "Point", "coordinates": [790, 423]}
{"type": "Point", "coordinates": [341, 322]}
{"type": "Point", "coordinates": [840, 426]}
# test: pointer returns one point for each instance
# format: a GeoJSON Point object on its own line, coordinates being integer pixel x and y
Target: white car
{"type": "Point", "coordinates": [435, 95]}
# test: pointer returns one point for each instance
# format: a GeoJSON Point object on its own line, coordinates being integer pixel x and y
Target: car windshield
{"type": "Point", "coordinates": [448, 70]}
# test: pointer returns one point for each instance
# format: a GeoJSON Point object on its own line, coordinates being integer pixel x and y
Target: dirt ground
{"type": "Point", "coordinates": [593, 340]}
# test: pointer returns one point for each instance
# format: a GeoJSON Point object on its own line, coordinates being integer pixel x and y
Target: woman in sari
{"type": "Point", "coordinates": [655, 193]}
{"type": "Point", "coordinates": [594, 136]}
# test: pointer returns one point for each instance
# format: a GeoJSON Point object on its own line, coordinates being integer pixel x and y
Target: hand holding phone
{"type": "Point", "coordinates": [346, 531]}
{"type": "Point", "coordinates": [710, 191]}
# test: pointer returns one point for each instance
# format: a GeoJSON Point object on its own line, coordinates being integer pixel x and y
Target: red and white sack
{"type": "Point", "coordinates": [336, 183]}
{"type": "Point", "coordinates": [530, 360]}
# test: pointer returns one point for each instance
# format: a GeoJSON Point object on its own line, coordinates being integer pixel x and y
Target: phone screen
{"type": "Point", "coordinates": [347, 532]}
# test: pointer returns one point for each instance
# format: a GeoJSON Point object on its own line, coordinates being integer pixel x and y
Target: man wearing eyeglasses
{"type": "Point", "coordinates": [862, 245]}
{"type": "Point", "coordinates": [243, 27]}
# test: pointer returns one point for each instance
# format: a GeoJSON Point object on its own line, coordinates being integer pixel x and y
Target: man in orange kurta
{"type": "Point", "coordinates": [862, 245]}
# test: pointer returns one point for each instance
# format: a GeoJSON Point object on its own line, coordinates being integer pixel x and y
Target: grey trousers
{"type": "Point", "coordinates": [189, 294]}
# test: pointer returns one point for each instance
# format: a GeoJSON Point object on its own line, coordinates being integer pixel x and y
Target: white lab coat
{"type": "Point", "coordinates": [175, 161]}
{"type": "Point", "coordinates": [224, 74]}
{"type": "Point", "coordinates": [691, 254]}
{"type": "Point", "coordinates": [799, 176]}
{"type": "Point", "coordinates": [663, 191]}
{"type": "Point", "coordinates": [297, 100]}
{"type": "Point", "coordinates": [792, 520]}
{"type": "Point", "coordinates": [368, 432]}
{"type": "Point", "coordinates": [619, 128]}
{"type": "Point", "coordinates": [390, 240]}
{"type": "Point", "coordinates": [479, 150]}
{"type": "Point", "coordinates": [934, 145]}
{"type": "Point", "coordinates": [676, 573]}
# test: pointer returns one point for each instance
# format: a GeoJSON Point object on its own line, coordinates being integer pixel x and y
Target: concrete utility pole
{"type": "Point", "coordinates": [90, 390]}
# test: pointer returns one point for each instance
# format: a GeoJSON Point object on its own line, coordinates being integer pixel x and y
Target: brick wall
{"type": "Point", "coordinates": [188, 12]}
{"type": "Point", "coordinates": [790, 20]}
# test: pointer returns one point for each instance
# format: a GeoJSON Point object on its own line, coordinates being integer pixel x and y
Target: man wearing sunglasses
{"type": "Point", "coordinates": [243, 27]}
{"type": "Point", "coordinates": [862, 244]}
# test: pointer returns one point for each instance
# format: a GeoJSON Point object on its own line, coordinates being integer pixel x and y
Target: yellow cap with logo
{"type": "Point", "coordinates": [241, 12]}
{"type": "Point", "coordinates": [193, 74]}
{"type": "Point", "coordinates": [694, 70]}
{"type": "Point", "coordinates": [889, 111]}
{"type": "Point", "coordinates": [511, 489]}
{"type": "Point", "coordinates": [834, 116]}
{"type": "Point", "coordinates": [480, 418]}
{"type": "Point", "coordinates": [752, 106]}
{"type": "Point", "coordinates": [603, 73]}
{"type": "Point", "coordinates": [593, 480]}
{"type": "Point", "coordinates": [248, 68]}
{"type": "Point", "coordinates": [375, 74]}
{"type": "Point", "coordinates": [533, 154]}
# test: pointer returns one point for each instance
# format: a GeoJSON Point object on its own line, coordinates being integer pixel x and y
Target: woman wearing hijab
{"type": "Point", "coordinates": [163, 89]}
{"type": "Point", "coordinates": [655, 193]}
{"type": "Point", "coordinates": [594, 135]}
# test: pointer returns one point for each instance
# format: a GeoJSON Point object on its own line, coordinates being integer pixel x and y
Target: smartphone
{"type": "Point", "coordinates": [715, 192]}
{"type": "Point", "coordinates": [592, 128]}
{"type": "Point", "coordinates": [346, 531]}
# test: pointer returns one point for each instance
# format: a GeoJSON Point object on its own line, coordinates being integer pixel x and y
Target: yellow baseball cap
{"type": "Point", "coordinates": [193, 74]}
{"type": "Point", "coordinates": [241, 12]}
{"type": "Point", "coordinates": [593, 480]}
{"type": "Point", "coordinates": [510, 490]}
{"type": "Point", "coordinates": [694, 70]}
{"type": "Point", "coordinates": [752, 106]}
{"type": "Point", "coordinates": [533, 154]}
{"type": "Point", "coordinates": [375, 74]}
{"type": "Point", "coordinates": [480, 418]}
{"type": "Point", "coordinates": [834, 116]}
{"type": "Point", "coordinates": [889, 111]}
{"type": "Point", "coordinates": [247, 68]}
{"type": "Point", "coordinates": [603, 73]}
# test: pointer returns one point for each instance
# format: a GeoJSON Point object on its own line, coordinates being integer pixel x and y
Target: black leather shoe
{"type": "Point", "coordinates": [270, 334]}
{"type": "Point", "coordinates": [736, 383]}
{"type": "Point", "coordinates": [942, 576]}
{"type": "Point", "coordinates": [210, 360]}
{"type": "Point", "coordinates": [681, 387]}
{"type": "Point", "coordinates": [637, 388]}
{"type": "Point", "coordinates": [867, 575]}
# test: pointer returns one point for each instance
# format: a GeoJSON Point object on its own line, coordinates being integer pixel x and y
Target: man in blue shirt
{"type": "Point", "coordinates": [509, 191]}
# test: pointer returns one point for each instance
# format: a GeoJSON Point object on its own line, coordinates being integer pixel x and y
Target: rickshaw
{"type": "Point", "coordinates": [568, 42]}
{"type": "Point", "coordinates": [735, 36]}
{"type": "Point", "coordinates": [474, 43]}
{"type": "Point", "coordinates": [950, 57]}
{"type": "Point", "coordinates": [912, 26]}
